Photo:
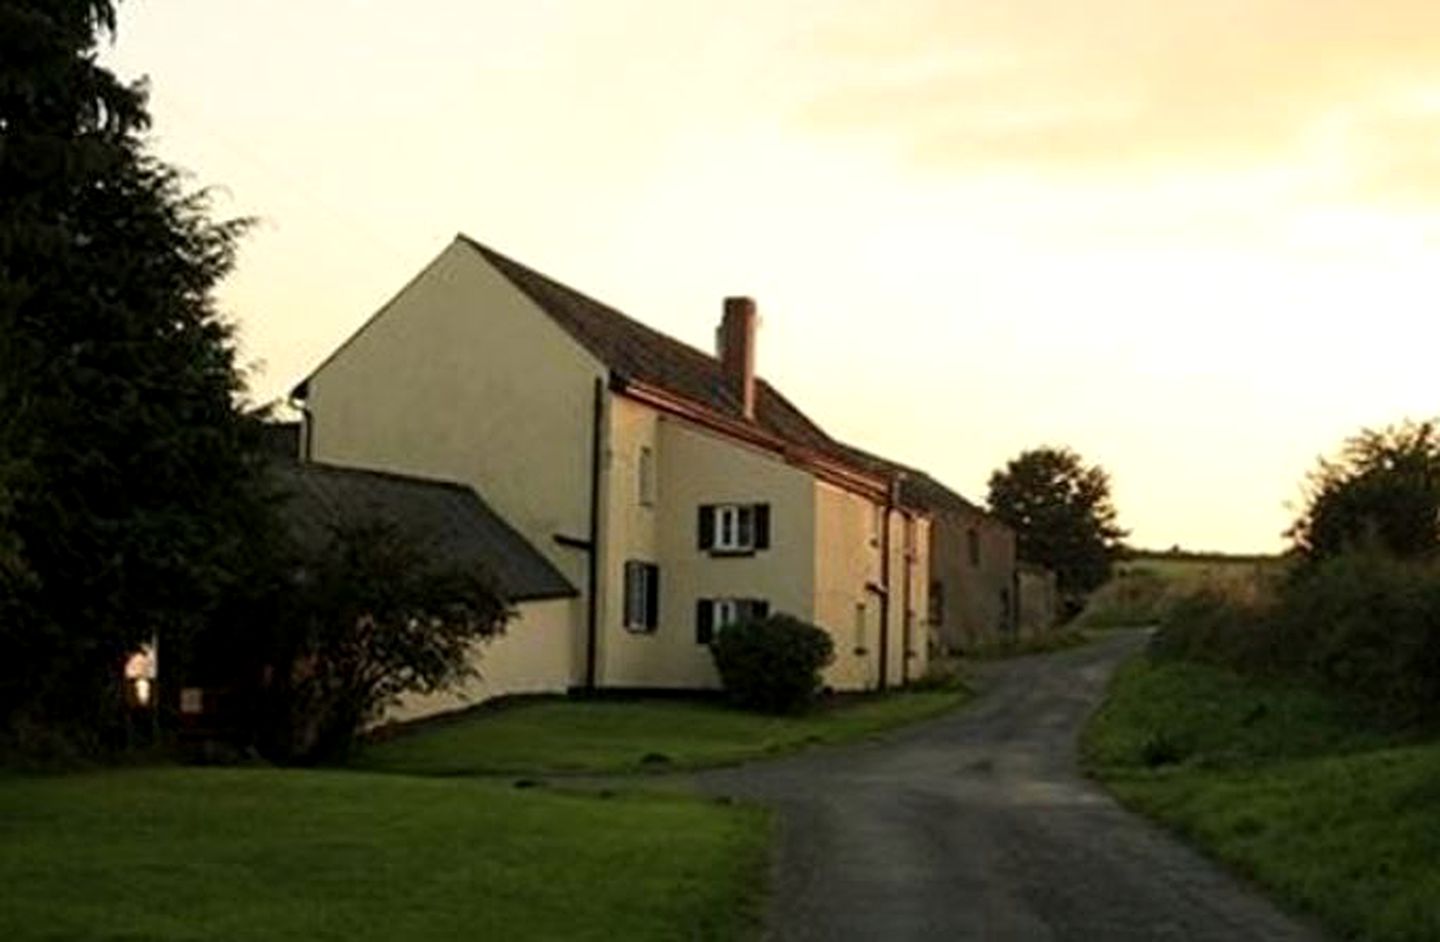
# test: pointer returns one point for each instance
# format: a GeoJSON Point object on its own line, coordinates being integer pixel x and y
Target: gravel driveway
{"type": "Point", "coordinates": [978, 825]}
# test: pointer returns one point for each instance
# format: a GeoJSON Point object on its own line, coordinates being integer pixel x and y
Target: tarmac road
{"type": "Point", "coordinates": [978, 825]}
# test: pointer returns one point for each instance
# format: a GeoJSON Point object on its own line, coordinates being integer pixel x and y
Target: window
{"type": "Point", "coordinates": [734, 529]}
{"type": "Point", "coordinates": [973, 537]}
{"type": "Point", "coordinates": [642, 595]}
{"type": "Point", "coordinates": [713, 614]}
{"type": "Point", "coordinates": [937, 602]}
{"type": "Point", "coordinates": [860, 619]}
{"type": "Point", "coordinates": [646, 473]}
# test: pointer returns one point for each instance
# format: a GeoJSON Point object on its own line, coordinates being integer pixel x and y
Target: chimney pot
{"type": "Point", "coordinates": [735, 342]}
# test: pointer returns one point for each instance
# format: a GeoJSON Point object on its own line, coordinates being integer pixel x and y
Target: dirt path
{"type": "Point", "coordinates": [978, 825]}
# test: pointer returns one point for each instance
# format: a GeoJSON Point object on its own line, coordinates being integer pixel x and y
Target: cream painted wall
{"type": "Point", "coordinates": [848, 562]}
{"type": "Point", "coordinates": [847, 535]}
{"type": "Point", "coordinates": [534, 655]}
{"type": "Point", "coordinates": [462, 377]}
{"type": "Point", "coordinates": [694, 467]}
{"type": "Point", "coordinates": [913, 593]}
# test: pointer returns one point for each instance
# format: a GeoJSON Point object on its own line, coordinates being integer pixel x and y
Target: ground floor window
{"type": "Point", "coordinates": [713, 614]}
{"type": "Point", "coordinates": [642, 595]}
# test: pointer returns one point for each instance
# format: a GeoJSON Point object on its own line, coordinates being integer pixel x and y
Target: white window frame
{"type": "Point", "coordinates": [734, 528]}
{"type": "Point", "coordinates": [636, 614]}
{"type": "Point", "coordinates": [724, 612]}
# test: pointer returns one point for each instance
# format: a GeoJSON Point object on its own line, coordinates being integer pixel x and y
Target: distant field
{"type": "Point", "coordinates": [1199, 567]}
{"type": "Point", "coordinates": [1145, 584]}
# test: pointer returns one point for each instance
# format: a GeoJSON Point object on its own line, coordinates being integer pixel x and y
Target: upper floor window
{"type": "Point", "coordinates": [734, 528]}
{"type": "Point", "coordinates": [646, 476]}
{"type": "Point", "coordinates": [642, 595]}
{"type": "Point", "coordinates": [711, 615]}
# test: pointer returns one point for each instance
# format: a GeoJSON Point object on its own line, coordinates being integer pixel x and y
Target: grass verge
{"type": "Point", "coordinates": [209, 854]}
{"type": "Point", "coordinates": [1291, 788]}
{"type": "Point", "coordinates": [610, 736]}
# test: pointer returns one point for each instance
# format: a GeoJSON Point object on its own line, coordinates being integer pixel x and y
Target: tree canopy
{"type": "Point", "coordinates": [1062, 515]}
{"type": "Point", "coordinates": [125, 477]}
{"type": "Point", "coordinates": [1382, 492]}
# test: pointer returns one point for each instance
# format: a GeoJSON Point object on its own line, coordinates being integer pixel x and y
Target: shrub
{"type": "Point", "coordinates": [1364, 625]}
{"type": "Point", "coordinates": [1132, 598]}
{"type": "Point", "coordinates": [1372, 627]}
{"type": "Point", "coordinates": [1217, 626]}
{"type": "Point", "coordinates": [772, 664]}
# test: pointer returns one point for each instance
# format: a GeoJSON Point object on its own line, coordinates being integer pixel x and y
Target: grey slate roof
{"type": "Point", "coordinates": [635, 351]}
{"type": "Point", "coordinates": [918, 489]}
{"type": "Point", "coordinates": [449, 520]}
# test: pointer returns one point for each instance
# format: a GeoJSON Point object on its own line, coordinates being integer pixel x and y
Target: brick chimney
{"type": "Point", "coordinates": [735, 347]}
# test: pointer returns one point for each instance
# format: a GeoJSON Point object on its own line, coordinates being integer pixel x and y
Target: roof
{"type": "Point", "coordinates": [919, 490]}
{"type": "Point", "coordinates": [449, 521]}
{"type": "Point", "coordinates": [635, 351]}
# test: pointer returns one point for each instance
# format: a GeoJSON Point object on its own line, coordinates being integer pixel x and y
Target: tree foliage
{"type": "Point", "coordinates": [1062, 515]}
{"type": "Point", "coordinates": [125, 481]}
{"type": "Point", "coordinates": [347, 628]}
{"type": "Point", "coordinates": [1382, 492]}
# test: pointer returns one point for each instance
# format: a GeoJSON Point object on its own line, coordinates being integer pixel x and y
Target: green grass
{"type": "Point", "coordinates": [609, 736]}
{"type": "Point", "coordinates": [1295, 790]}
{"type": "Point", "coordinates": [208, 854]}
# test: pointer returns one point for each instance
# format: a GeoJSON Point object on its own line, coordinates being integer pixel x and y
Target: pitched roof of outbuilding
{"type": "Point", "coordinates": [635, 351]}
{"type": "Point", "coordinates": [448, 520]}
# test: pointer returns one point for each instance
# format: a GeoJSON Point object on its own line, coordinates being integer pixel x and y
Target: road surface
{"type": "Point", "coordinates": [978, 825]}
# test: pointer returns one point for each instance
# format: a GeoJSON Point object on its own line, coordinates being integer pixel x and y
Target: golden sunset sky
{"type": "Point", "coordinates": [1195, 241]}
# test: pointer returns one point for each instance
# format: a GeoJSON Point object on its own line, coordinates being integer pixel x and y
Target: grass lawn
{"type": "Point", "coordinates": [1292, 789]}
{"type": "Point", "coordinates": [212, 854]}
{"type": "Point", "coordinates": [607, 736]}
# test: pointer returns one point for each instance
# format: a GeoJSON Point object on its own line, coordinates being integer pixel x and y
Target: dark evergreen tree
{"type": "Point", "coordinates": [125, 476]}
{"type": "Point", "coordinates": [1062, 515]}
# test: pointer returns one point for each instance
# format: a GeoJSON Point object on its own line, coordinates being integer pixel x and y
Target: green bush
{"type": "Point", "coordinates": [1372, 624]}
{"type": "Point", "coordinates": [1364, 625]}
{"type": "Point", "coordinates": [1213, 626]}
{"type": "Point", "coordinates": [772, 664]}
{"type": "Point", "coordinates": [1133, 597]}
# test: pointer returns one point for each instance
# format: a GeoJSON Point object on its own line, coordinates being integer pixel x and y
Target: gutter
{"type": "Point", "coordinates": [300, 401]}
{"type": "Point", "coordinates": [592, 573]}
{"type": "Point", "coordinates": [885, 581]}
{"type": "Point", "coordinates": [906, 640]}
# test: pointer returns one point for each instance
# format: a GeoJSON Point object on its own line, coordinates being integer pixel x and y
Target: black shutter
{"type": "Point", "coordinates": [762, 526]}
{"type": "Point", "coordinates": [630, 594]}
{"type": "Point", "coordinates": [652, 596]}
{"type": "Point", "coordinates": [704, 621]}
{"type": "Point", "coordinates": [707, 526]}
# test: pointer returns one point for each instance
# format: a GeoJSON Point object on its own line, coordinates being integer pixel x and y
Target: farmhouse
{"type": "Point", "coordinates": [676, 490]}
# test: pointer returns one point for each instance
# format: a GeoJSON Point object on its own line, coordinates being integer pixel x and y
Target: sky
{"type": "Point", "coordinates": [1195, 240]}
